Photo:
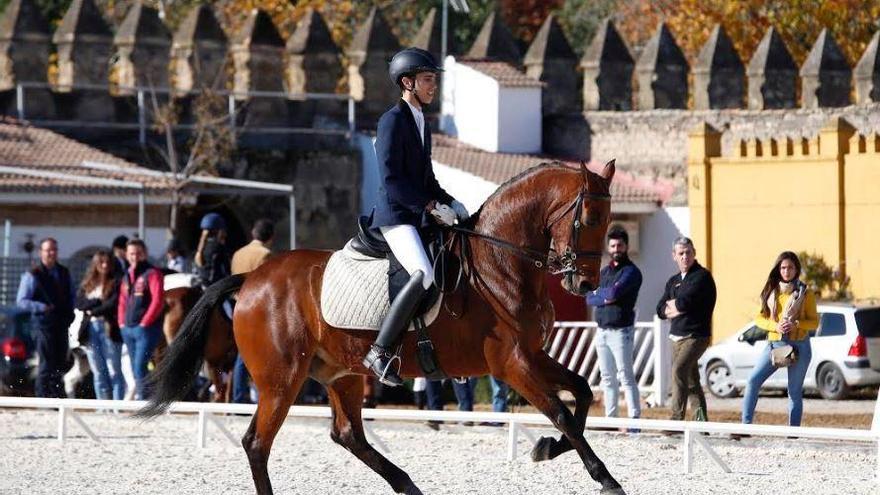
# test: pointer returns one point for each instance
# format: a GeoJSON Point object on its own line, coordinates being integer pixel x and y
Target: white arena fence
{"type": "Point", "coordinates": [573, 344]}
{"type": "Point", "coordinates": [517, 423]}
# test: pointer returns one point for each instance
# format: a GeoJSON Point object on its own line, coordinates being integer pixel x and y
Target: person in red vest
{"type": "Point", "coordinates": [141, 300]}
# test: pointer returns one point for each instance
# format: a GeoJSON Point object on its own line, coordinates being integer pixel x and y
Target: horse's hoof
{"type": "Point", "coordinates": [412, 490]}
{"type": "Point", "coordinates": [613, 491]}
{"type": "Point", "coordinates": [541, 450]}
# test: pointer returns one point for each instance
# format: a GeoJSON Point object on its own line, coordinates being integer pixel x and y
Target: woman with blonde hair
{"type": "Point", "coordinates": [788, 314]}
{"type": "Point", "coordinates": [97, 298]}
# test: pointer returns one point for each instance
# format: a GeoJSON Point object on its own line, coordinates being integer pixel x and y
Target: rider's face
{"type": "Point", "coordinates": [424, 86]}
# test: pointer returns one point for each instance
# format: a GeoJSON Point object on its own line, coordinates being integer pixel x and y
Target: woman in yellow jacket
{"type": "Point", "coordinates": [788, 313]}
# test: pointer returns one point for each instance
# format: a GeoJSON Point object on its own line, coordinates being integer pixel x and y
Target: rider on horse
{"type": "Point", "coordinates": [409, 197]}
{"type": "Point", "coordinates": [212, 257]}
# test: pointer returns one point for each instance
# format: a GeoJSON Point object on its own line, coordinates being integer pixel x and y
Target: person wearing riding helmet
{"type": "Point", "coordinates": [212, 257]}
{"type": "Point", "coordinates": [409, 197]}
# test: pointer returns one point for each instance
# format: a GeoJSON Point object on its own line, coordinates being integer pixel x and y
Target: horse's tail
{"type": "Point", "coordinates": [179, 368]}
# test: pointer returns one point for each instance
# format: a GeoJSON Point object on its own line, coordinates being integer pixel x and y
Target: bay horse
{"type": "Point", "coordinates": [550, 216]}
{"type": "Point", "coordinates": [220, 350]}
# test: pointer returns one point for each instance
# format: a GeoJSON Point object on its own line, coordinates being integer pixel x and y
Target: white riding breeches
{"type": "Point", "coordinates": [407, 247]}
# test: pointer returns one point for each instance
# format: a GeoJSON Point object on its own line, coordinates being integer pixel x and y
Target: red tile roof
{"type": "Point", "coordinates": [506, 74]}
{"type": "Point", "coordinates": [42, 150]}
{"type": "Point", "coordinates": [499, 167]}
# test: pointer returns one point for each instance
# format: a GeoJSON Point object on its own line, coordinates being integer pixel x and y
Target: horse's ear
{"type": "Point", "coordinates": [608, 171]}
{"type": "Point", "coordinates": [585, 172]}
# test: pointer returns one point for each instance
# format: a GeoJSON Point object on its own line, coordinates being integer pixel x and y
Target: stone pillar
{"type": "Point", "coordinates": [198, 53]}
{"type": "Point", "coordinates": [608, 67]}
{"type": "Point", "coordinates": [313, 66]}
{"type": "Point", "coordinates": [868, 73]}
{"type": "Point", "coordinates": [826, 76]}
{"type": "Point", "coordinates": [495, 42]}
{"type": "Point", "coordinates": [85, 48]}
{"type": "Point", "coordinates": [143, 46]}
{"type": "Point", "coordinates": [258, 54]}
{"type": "Point", "coordinates": [719, 76]}
{"type": "Point", "coordinates": [662, 73]}
{"type": "Point", "coordinates": [551, 60]}
{"type": "Point", "coordinates": [371, 49]}
{"type": "Point", "coordinates": [772, 75]}
{"type": "Point", "coordinates": [24, 57]}
{"type": "Point", "coordinates": [704, 144]}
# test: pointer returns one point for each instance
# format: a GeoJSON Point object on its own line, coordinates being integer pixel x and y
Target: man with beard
{"type": "Point", "coordinates": [614, 300]}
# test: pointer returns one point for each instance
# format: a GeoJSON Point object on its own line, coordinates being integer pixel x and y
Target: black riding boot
{"type": "Point", "coordinates": [381, 356]}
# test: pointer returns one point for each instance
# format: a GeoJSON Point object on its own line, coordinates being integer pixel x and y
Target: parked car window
{"type": "Point", "coordinates": [868, 322]}
{"type": "Point", "coordinates": [831, 324]}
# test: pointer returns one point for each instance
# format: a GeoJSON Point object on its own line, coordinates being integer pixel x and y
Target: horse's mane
{"type": "Point", "coordinates": [471, 222]}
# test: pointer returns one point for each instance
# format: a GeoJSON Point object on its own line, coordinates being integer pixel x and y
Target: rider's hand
{"type": "Point", "coordinates": [460, 210]}
{"type": "Point", "coordinates": [443, 214]}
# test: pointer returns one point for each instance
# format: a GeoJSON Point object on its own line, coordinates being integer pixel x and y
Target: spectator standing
{"type": "Point", "coordinates": [98, 299]}
{"type": "Point", "coordinates": [141, 300]}
{"type": "Point", "coordinates": [174, 259]}
{"type": "Point", "coordinates": [788, 313]}
{"type": "Point", "coordinates": [48, 293]}
{"type": "Point", "coordinates": [688, 302]}
{"type": "Point", "coordinates": [119, 243]}
{"type": "Point", "coordinates": [615, 300]}
{"type": "Point", "coordinates": [245, 260]}
{"type": "Point", "coordinates": [212, 255]}
{"type": "Point", "coordinates": [500, 391]}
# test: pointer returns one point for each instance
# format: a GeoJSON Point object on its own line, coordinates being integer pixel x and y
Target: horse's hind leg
{"type": "Point", "coordinates": [272, 407]}
{"type": "Point", "coordinates": [539, 382]}
{"type": "Point", "coordinates": [346, 396]}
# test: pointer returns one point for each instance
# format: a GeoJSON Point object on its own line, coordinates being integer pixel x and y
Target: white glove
{"type": "Point", "coordinates": [460, 210]}
{"type": "Point", "coordinates": [443, 214]}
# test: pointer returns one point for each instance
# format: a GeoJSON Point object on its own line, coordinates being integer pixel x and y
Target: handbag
{"type": "Point", "coordinates": [83, 335]}
{"type": "Point", "coordinates": [783, 356]}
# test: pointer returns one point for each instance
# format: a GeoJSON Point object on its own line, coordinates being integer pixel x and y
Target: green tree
{"type": "Point", "coordinates": [827, 282]}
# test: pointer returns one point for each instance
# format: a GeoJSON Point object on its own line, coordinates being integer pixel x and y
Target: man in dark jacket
{"type": "Point", "coordinates": [688, 301]}
{"type": "Point", "coordinates": [619, 284]}
{"type": "Point", "coordinates": [48, 293]}
{"type": "Point", "coordinates": [409, 198]}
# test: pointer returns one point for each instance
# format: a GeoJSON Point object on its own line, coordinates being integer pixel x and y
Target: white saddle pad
{"type": "Point", "coordinates": [354, 292]}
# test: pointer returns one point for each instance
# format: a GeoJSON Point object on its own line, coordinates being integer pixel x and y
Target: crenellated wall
{"type": "Point", "coordinates": [751, 199]}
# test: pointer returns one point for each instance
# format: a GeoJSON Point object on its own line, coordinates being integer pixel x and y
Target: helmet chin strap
{"type": "Point", "coordinates": [413, 91]}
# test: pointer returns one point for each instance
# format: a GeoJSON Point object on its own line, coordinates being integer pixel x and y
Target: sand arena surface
{"type": "Point", "coordinates": [160, 457]}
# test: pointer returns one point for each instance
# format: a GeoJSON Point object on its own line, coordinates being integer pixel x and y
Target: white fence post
{"type": "Point", "coordinates": [662, 361]}
{"type": "Point", "coordinates": [202, 434]}
{"type": "Point", "coordinates": [62, 424]}
{"type": "Point", "coordinates": [688, 451]}
{"type": "Point", "coordinates": [512, 435]}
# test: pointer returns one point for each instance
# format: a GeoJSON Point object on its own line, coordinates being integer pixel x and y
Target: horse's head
{"type": "Point", "coordinates": [578, 231]}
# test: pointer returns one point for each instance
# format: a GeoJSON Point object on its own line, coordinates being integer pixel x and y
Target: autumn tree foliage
{"type": "Point", "coordinates": [799, 22]}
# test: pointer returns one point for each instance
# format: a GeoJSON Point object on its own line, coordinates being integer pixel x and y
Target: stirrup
{"type": "Point", "coordinates": [386, 381]}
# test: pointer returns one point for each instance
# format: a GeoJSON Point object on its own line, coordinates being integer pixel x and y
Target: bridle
{"type": "Point", "coordinates": [556, 263]}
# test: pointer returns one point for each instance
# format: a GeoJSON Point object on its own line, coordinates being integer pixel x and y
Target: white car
{"type": "Point", "coordinates": [847, 336]}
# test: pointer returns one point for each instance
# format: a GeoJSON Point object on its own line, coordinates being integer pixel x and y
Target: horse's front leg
{"type": "Point", "coordinates": [548, 448]}
{"type": "Point", "coordinates": [539, 383]}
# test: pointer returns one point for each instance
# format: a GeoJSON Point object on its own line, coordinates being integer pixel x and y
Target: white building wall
{"type": "Point", "coordinates": [519, 120]}
{"type": "Point", "coordinates": [470, 106]}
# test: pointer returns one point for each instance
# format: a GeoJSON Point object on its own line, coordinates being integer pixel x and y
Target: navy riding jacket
{"type": "Point", "coordinates": [407, 182]}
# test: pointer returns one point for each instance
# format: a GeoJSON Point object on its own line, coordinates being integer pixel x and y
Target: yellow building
{"type": "Point", "coordinates": [820, 195]}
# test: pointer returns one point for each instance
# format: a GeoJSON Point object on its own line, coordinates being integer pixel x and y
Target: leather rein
{"type": "Point", "coordinates": [555, 262]}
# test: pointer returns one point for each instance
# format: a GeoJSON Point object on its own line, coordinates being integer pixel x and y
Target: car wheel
{"type": "Point", "coordinates": [832, 385]}
{"type": "Point", "coordinates": [720, 380]}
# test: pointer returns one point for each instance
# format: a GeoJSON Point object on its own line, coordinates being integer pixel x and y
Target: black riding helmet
{"type": "Point", "coordinates": [411, 61]}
